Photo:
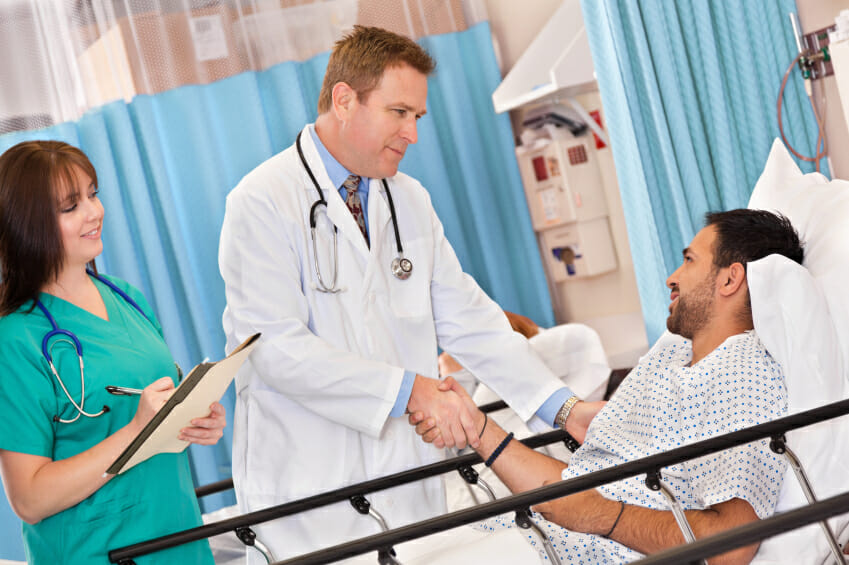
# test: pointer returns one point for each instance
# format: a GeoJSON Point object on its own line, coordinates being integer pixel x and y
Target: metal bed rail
{"type": "Point", "coordinates": [227, 484]}
{"type": "Point", "coordinates": [125, 554]}
{"type": "Point", "coordinates": [383, 542]}
{"type": "Point", "coordinates": [753, 532]}
{"type": "Point", "coordinates": [647, 465]}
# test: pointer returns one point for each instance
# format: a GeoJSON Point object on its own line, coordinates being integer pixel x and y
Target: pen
{"type": "Point", "coordinates": [123, 391]}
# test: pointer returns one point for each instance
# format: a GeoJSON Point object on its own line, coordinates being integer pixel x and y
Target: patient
{"type": "Point", "coordinates": [717, 380]}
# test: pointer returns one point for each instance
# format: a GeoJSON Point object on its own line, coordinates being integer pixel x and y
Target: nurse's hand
{"type": "Point", "coordinates": [153, 397]}
{"type": "Point", "coordinates": [208, 430]}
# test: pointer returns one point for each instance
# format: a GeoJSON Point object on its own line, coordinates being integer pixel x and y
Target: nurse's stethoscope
{"type": "Point", "coordinates": [401, 267]}
{"type": "Point", "coordinates": [69, 337]}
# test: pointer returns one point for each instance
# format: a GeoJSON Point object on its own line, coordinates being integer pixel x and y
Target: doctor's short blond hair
{"type": "Point", "coordinates": [360, 57]}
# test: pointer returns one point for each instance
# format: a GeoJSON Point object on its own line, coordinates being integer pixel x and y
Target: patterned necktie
{"type": "Point", "coordinates": [354, 204]}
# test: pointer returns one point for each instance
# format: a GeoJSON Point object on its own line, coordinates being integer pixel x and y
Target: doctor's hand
{"type": "Point", "coordinates": [444, 411]}
{"type": "Point", "coordinates": [153, 397]}
{"type": "Point", "coordinates": [207, 430]}
{"type": "Point", "coordinates": [580, 417]}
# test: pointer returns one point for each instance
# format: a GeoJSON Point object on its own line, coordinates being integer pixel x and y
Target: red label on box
{"type": "Point", "coordinates": [596, 115]}
{"type": "Point", "coordinates": [540, 170]}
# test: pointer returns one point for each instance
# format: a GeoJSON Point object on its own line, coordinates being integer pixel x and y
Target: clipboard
{"type": "Point", "coordinates": [205, 384]}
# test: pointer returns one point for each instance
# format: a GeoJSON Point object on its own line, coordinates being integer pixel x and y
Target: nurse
{"type": "Point", "coordinates": [58, 432]}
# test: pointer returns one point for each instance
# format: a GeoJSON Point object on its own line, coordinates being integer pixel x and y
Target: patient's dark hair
{"type": "Point", "coordinates": [745, 235]}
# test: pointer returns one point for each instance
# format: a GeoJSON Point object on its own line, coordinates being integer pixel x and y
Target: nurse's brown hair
{"type": "Point", "coordinates": [34, 177]}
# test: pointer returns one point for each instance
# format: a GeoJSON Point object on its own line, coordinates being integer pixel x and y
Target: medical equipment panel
{"type": "Point", "coordinates": [565, 193]}
{"type": "Point", "coordinates": [839, 47]}
{"type": "Point", "coordinates": [579, 249]}
{"type": "Point", "coordinates": [562, 181]}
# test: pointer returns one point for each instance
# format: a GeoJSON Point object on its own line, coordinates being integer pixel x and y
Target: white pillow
{"type": "Point", "coordinates": [802, 316]}
{"type": "Point", "coordinates": [819, 209]}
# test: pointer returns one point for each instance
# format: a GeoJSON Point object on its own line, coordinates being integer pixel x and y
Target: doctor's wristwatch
{"type": "Point", "coordinates": [563, 413]}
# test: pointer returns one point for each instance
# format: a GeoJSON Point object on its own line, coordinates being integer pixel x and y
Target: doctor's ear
{"type": "Point", "coordinates": [343, 97]}
{"type": "Point", "coordinates": [732, 279]}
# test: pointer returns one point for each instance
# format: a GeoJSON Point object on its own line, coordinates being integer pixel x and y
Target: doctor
{"type": "Point", "coordinates": [352, 319]}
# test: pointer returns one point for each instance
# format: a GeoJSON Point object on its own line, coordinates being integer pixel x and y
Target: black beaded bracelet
{"type": "Point", "coordinates": [485, 420]}
{"type": "Point", "coordinates": [616, 522]}
{"type": "Point", "coordinates": [498, 450]}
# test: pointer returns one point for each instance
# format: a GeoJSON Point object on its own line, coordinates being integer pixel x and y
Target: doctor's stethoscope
{"type": "Point", "coordinates": [69, 337]}
{"type": "Point", "coordinates": [401, 267]}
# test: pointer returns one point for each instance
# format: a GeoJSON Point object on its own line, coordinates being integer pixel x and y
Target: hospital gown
{"type": "Point", "coordinates": [664, 404]}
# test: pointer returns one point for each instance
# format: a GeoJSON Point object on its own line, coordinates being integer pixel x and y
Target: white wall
{"type": "Point", "coordinates": [815, 15]}
{"type": "Point", "coordinates": [610, 303]}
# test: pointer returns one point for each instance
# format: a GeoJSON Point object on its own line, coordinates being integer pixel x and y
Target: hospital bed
{"type": "Point", "coordinates": [802, 316]}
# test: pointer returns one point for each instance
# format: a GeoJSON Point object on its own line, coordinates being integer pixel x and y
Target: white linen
{"type": "Point", "coordinates": [802, 315]}
{"type": "Point", "coordinates": [313, 400]}
{"type": "Point", "coordinates": [575, 354]}
{"type": "Point", "coordinates": [664, 404]}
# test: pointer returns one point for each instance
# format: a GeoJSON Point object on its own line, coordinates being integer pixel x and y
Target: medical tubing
{"type": "Point", "coordinates": [227, 484]}
{"type": "Point", "coordinates": [820, 133]}
{"type": "Point", "coordinates": [394, 220]}
{"type": "Point", "coordinates": [321, 199]}
{"type": "Point", "coordinates": [831, 507]}
{"type": "Point", "coordinates": [315, 501]}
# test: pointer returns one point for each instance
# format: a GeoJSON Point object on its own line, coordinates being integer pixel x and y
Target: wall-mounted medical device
{"type": "Point", "coordinates": [579, 249]}
{"type": "Point", "coordinates": [565, 194]}
{"type": "Point", "coordinates": [840, 59]}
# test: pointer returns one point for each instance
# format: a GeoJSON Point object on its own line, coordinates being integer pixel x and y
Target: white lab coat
{"type": "Point", "coordinates": [313, 401]}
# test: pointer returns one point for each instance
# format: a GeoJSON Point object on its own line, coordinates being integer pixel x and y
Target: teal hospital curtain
{"type": "Point", "coordinates": [166, 162]}
{"type": "Point", "coordinates": [689, 88]}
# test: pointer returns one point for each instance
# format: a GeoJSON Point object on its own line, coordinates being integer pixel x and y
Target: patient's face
{"type": "Point", "coordinates": [693, 285]}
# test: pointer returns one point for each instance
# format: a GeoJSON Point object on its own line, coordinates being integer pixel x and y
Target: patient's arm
{"type": "Point", "coordinates": [518, 467]}
{"type": "Point", "coordinates": [643, 529]}
{"type": "Point", "coordinates": [647, 530]}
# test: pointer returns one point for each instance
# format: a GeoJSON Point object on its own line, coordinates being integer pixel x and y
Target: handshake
{"type": "Point", "coordinates": [445, 415]}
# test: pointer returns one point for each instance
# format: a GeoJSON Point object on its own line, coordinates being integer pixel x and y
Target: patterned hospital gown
{"type": "Point", "coordinates": [665, 404]}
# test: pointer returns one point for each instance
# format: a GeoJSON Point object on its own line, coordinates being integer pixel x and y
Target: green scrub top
{"type": "Point", "coordinates": [153, 498]}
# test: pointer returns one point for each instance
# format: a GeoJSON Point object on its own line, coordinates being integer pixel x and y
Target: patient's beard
{"type": "Point", "coordinates": [693, 310]}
